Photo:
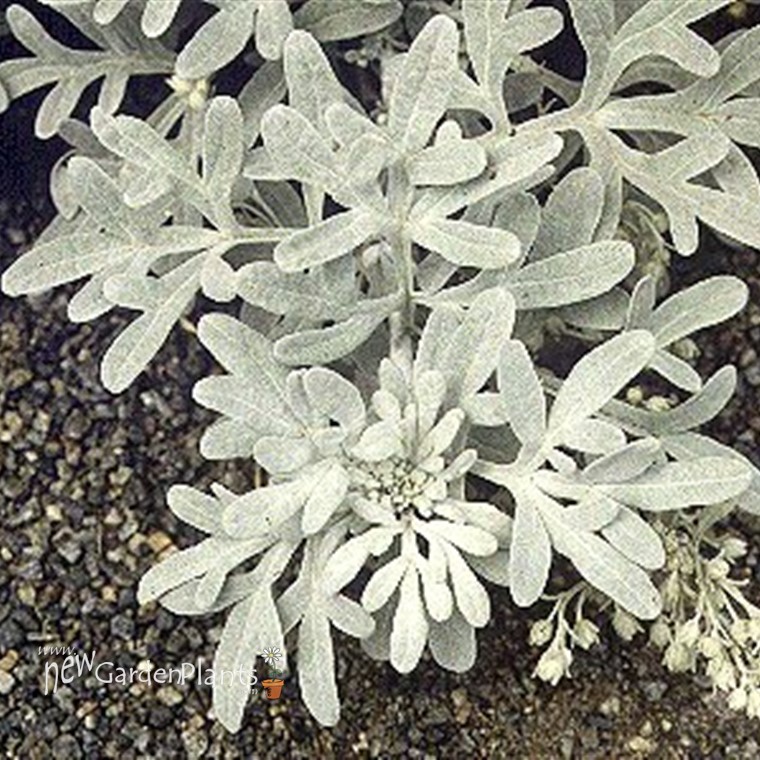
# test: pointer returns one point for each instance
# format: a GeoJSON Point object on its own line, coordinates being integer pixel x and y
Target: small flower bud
{"type": "Point", "coordinates": [197, 98]}
{"type": "Point", "coordinates": [626, 626]}
{"type": "Point", "coordinates": [540, 632]}
{"type": "Point", "coordinates": [657, 404]}
{"type": "Point", "coordinates": [688, 633]}
{"type": "Point", "coordinates": [659, 634]}
{"type": "Point", "coordinates": [686, 349]}
{"type": "Point", "coordinates": [586, 633]}
{"type": "Point", "coordinates": [725, 677]}
{"type": "Point", "coordinates": [734, 547]}
{"type": "Point", "coordinates": [677, 658]}
{"type": "Point", "coordinates": [710, 647]}
{"type": "Point", "coordinates": [717, 568]}
{"type": "Point", "coordinates": [553, 664]}
{"type": "Point", "coordinates": [179, 85]}
{"type": "Point", "coordinates": [686, 563]}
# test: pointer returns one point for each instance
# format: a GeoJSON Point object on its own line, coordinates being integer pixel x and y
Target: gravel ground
{"type": "Point", "coordinates": [82, 483]}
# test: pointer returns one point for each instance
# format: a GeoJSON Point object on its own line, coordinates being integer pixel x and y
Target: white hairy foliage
{"type": "Point", "coordinates": [420, 249]}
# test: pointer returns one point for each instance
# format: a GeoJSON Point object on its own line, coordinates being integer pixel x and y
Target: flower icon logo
{"type": "Point", "coordinates": [272, 685]}
{"type": "Point", "coordinates": [271, 655]}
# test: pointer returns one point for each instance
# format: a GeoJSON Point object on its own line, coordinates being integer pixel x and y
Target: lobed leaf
{"type": "Point", "coordinates": [421, 90]}
{"type": "Point", "coordinates": [597, 378]}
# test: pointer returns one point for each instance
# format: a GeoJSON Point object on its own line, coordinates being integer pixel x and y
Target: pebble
{"type": "Point", "coordinates": [70, 549]}
{"type": "Point", "coordinates": [67, 746]}
{"type": "Point", "coordinates": [26, 594]}
{"type": "Point", "coordinates": [654, 690]}
{"type": "Point", "coordinates": [64, 699]}
{"type": "Point", "coordinates": [12, 424]}
{"type": "Point", "coordinates": [610, 706]}
{"type": "Point", "coordinates": [112, 517]}
{"type": "Point", "coordinates": [41, 422]}
{"type": "Point", "coordinates": [9, 660]}
{"type": "Point", "coordinates": [122, 627]}
{"type": "Point", "coordinates": [642, 745]}
{"type": "Point", "coordinates": [86, 708]}
{"type": "Point", "coordinates": [752, 374]}
{"type": "Point", "coordinates": [160, 717]}
{"type": "Point", "coordinates": [195, 743]}
{"type": "Point", "coordinates": [170, 696]}
{"type": "Point", "coordinates": [54, 512]}
{"type": "Point", "coordinates": [361, 745]}
{"type": "Point", "coordinates": [436, 715]}
{"type": "Point", "coordinates": [18, 378]}
{"type": "Point", "coordinates": [748, 356]}
{"type": "Point", "coordinates": [135, 542]}
{"type": "Point", "coordinates": [76, 425]}
{"type": "Point", "coordinates": [120, 476]}
{"type": "Point", "coordinates": [109, 594]}
{"type": "Point", "coordinates": [158, 541]}
{"type": "Point", "coordinates": [11, 635]}
{"type": "Point", "coordinates": [566, 746]}
{"type": "Point", "coordinates": [462, 705]}
{"type": "Point", "coordinates": [7, 682]}
{"type": "Point", "coordinates": [128, 527]}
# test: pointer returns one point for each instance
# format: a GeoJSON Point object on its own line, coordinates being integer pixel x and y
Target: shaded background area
{"type": "Point", "coordinates": [83, 476]}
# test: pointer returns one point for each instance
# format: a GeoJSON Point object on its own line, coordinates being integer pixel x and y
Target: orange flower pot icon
{"type": "Point", "coordinates": [273, 687]}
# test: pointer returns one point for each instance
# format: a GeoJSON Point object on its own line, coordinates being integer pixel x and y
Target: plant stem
{"type": "Point", "coordinates": [399, 198]}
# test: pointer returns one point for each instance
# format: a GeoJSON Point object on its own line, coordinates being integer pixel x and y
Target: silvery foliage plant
{"type": "Point", "coordinates": [389, 271]}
